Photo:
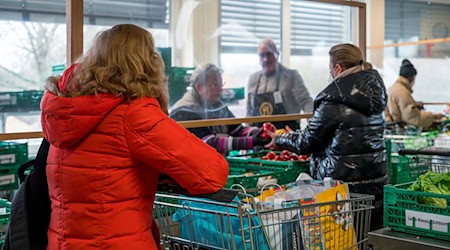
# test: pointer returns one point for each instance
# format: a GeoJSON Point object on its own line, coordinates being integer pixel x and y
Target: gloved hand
{"type": "Point", "coordinates": [258, 140]}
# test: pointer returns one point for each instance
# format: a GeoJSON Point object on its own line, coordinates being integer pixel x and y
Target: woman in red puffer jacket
{"type": "Point", "coordinates": [106, 119]}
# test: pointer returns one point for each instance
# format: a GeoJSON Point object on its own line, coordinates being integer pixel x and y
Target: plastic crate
{"type": "Point", "coordinates": [403, 212]}
{"type": "Point", "coordinates": [5, 211]}
{"type": "Point", "coordinates": [9, 179]}
{"type": "Point", "coordinates": [178, 82]}
{"type": "Point", "coordinates": [283, 171]}
{"type": "Point", "coordinates": [22, 101]}
{"type": "Point", "coordinates": [13, 154]}
{"type": "Point", "coordinates": [404, 169]}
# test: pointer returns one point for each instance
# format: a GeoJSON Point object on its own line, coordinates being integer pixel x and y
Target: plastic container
{"type": "Point", "coordinates": [403, 212]}
{"type": "Point", "coordinates": [242, 165]}
{"type": "Point", "coordinates": [5, 211]}
{"type": "Point", "coordinates": [12, 155]}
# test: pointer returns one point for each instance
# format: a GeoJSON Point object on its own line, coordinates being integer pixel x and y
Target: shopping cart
{"type": "Point", "coordinates": [399, 169]}
{"type": "Point", "coordinates": [207, 224]}
{"type": "Point", "coordinates": [420, 161]}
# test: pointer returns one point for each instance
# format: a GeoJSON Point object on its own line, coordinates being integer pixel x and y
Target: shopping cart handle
{"type": "Point", "coordinates": [223, 195]}
{"type": "Point", "coordinates": [437, 151]}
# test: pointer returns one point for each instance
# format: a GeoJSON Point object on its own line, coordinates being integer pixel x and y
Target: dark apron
{"type": "Point", "coordinates": [264, 104]}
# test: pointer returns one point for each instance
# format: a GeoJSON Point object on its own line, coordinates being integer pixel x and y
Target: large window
{"type": "Point", "coordinates": [315, 27]}
{"type": "Point", "coordinates": [33, 47]}
{"type": "Point", "coordinates": [411, 24]}
{"type": "Point", "coordinates": [307, 29]}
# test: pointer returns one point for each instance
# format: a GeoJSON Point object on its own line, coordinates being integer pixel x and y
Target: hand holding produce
{"type": "Point", "coordinates": [267, 127]}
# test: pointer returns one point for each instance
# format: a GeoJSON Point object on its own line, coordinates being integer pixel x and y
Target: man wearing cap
{"type": "Point", "coordinates": [401, 106]}
{"type": "Point", "coordinates": [276, 90]}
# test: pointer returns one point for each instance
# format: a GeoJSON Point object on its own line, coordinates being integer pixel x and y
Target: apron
{"type": "Point", "coordinates": [270, 103]}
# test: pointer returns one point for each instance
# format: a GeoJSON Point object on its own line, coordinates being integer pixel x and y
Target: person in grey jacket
{"type": "Point", "coordinates": [275, 89]}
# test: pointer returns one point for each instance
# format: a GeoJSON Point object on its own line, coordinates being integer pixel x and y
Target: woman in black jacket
{"type": "Point", "coordinates": [345, 134]}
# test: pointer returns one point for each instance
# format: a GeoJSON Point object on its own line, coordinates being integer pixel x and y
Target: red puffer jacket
{"type": "Point", "coordinates": [103, 166]}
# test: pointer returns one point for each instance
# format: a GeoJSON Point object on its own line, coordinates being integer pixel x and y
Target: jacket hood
{"type": "Point", "coordinates": [67, 120]}
{"type": "Point", "coordinates": [363, 91]}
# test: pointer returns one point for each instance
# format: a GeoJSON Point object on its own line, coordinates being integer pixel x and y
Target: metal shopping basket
{"type": "Point", "coordinates": [207, 224]}
{"type": "Point", "coordinates": [335, 225]}
{"type": "Point", "coordinates": [199, 223]}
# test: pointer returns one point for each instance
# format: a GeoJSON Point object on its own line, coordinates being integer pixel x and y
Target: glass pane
{"type": "Point", "coordinates": [32, 47]}
{"type": "Point", "coordinates": [417, 30]}
{"type": "Point", "coordinates": [243, 25]}
{"type": "Point", "coordinates": [316, 27]}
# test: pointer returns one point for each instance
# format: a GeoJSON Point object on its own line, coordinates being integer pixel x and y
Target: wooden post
{"type": "Point", "coordinates": [362, 30]}
{"type": "Point", "coordinates": [74, 19]}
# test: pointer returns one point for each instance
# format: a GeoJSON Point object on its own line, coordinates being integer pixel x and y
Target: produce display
{"type": "Point", "coordinates": [432, 182]}
{"type": "Point", "coordinates": [284, 155]}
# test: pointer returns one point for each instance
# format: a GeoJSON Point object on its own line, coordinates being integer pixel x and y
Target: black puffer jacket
{"type": "Point", "coordinates": [345, 134]}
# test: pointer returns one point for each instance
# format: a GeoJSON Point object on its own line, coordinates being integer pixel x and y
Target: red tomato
{"type": "Point", "coordinates": [271, 155]}
{"type": "Point", "coordinates": [293, 158]}
{"type": "Point", "coordinates": [278, 158]}
{"type": "Point", "coordinates": [285, 153]}
{"type": "Point", "coordinates": [267, 127]}
{"type": "Point", "coordinates": [303, 157]}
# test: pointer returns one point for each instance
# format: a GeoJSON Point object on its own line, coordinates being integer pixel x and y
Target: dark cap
{"type": "Point", "coordinates": [407, 70]}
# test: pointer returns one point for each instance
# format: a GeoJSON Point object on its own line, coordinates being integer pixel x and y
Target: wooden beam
{"type": "Point", "coordinates": [425, 41]}
{"type": "Point", "coordinates": [341, 2]}
{"type": "Point", "coordinates": [362, 30]}
{"type": "Point", "coordinates": [253, 119]}
{"type": "Point", "coordinates": [74, 19]}
{"type": "Point", "coordinates": [186, 124]}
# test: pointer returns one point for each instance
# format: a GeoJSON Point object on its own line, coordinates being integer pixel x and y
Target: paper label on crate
{"type": "Point", "coordinates": [7, 179]}
{"type": "Point", "coordinates": [8, 159]}
{"type": "Point", "coordinates": [2, 210]}
{"type": "Point", "coordinates": [429, 221]}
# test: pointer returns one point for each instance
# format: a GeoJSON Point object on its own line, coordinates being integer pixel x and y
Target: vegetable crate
{"type": "Point", "coordinates": [12, 155]}
{"type": "Point", "coordinates": [404, 212]}
{"type": "Point", "coordinates": [417, 212]}
{"type": "Point", "coordinates": [5, 211]}
{"type": "Point", "coordinates": [241, 165]}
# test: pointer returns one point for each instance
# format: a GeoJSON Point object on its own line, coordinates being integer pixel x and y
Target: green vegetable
{"type": "Point", "coordinates": [432, 182]}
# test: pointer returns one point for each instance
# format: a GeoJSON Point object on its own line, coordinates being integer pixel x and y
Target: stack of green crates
{"type": "Point", "coordinates": [12, 155]}
{"type": "Point", "coordinates": [284, 171]}
{"type": "Point", "coordinates": [403, 212]}
{"type": "Point", "coordinates": [22, 101]}
{"type": "Point", "coordinates": [5, 211]}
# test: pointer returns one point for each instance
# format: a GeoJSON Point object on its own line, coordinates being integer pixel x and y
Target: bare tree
{"type": "Point", "coordinates": [40, 40]}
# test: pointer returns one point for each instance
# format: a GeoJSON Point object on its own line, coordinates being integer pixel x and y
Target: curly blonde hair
{"type": "Point", "coordinates": [122, 61]}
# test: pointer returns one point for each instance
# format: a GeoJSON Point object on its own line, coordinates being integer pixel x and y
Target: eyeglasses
{"type": "Point", "coordinates": [215, 84]}
{"type": "Point", "coordinates": [266, 54]}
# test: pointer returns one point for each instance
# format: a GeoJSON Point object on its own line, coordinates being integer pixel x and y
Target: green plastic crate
{"type": "Point", "coordinates": [9, 179]}
{"type": "Point", "coordinates": [404, 169]}
{"type": "Point", "coordinates": [13, 153]}
{"type": "Point", "coordinates": [284, 171]}
{"type": "Point", "coordinates": [404, 213]}
{"type": "Point", "coordinates": [21, 101]}
{"type": "Point", "coordinates": [179, 79]}
{"type": "Point", "coordinates": [5, 211]}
